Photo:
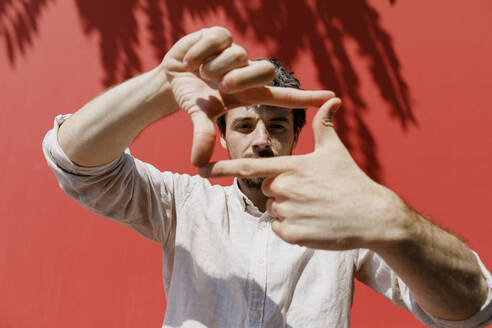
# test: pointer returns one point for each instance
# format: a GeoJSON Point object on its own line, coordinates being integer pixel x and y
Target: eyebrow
{"type": "Point", "coordinates": [274, 119]}
{"type": "Point", "coordinates": [280, 119]}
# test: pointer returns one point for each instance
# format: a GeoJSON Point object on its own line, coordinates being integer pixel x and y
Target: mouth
{"type": "Point", "coordinates": [257, 181]}
{"type": "Point", "coordinates": [260, 154]}
{"type": "Point", "coordinates": [266, 153]}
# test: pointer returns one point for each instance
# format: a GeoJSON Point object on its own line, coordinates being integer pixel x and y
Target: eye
{"type": "Point", "coordinates": [244, 127]}
{"type": "Point", "coordinates": [276, 128]}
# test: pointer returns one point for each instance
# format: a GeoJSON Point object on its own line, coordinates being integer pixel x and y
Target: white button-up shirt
{"type": "Point", "coordinates": [223, 264]}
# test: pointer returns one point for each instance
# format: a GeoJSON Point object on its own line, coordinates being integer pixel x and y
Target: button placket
{"type": "Point", "coordinates": [258, 274]}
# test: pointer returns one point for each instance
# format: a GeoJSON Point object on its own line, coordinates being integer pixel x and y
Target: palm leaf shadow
{"type": "Point", "coordinates": [19, 25]}
{"type": "Point", "coordinates": [287, 27]}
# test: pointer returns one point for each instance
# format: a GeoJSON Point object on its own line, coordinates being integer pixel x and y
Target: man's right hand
{"type": "Point", "coordinates": [210, 74]}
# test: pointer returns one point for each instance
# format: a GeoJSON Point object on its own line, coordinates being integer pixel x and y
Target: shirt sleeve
{"type": "Point", "coordinates": [373, 271]}
{"type": "Point", "coordinates": [127, 190]}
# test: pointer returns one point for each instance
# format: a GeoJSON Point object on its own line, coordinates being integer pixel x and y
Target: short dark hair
{"type": "Point", "coordinates": [283, 78]}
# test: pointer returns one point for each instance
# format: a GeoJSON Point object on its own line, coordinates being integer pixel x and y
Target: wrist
{"type": "Point", "coordinates": [400, 225]}
{"type": "Point", "coordinates": [163, 97]}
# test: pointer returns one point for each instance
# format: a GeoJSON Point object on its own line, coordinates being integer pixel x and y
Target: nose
{"type": "Point", "coordinates": [261, 139]}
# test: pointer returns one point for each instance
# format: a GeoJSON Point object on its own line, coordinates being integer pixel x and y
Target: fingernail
{"type": "Point", "coordinates": [334, 109]}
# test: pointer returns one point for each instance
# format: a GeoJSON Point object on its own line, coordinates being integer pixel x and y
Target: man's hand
{"type": "Point", "coordinates": [323, 199]}
{"type": "Point", "coordinates": [209, 74]}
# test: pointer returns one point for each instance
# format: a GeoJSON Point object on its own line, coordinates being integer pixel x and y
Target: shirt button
{"type": "Point", "coordinates": [256, 316]}
{"type": "Point", "coordinates": [262, 225]}
{"type": "Point", "coordinates": [260, 260]}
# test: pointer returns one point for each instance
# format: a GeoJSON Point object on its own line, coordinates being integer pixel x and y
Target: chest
{"type": "Point", "coordinates": [229, 261]}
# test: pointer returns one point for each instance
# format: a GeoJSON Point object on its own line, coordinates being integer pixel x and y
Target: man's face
{"type": "Point", "coordinates": [261, 131]}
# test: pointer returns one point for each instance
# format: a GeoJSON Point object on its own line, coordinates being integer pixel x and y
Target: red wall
{"type": "Point", "coordinates": [414, 77]}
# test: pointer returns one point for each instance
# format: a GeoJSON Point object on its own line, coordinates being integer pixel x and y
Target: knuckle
{"type": "Point", "coordinates": [240, 54]}
{"type": "Point", "coordinates": [224, 32]}
{"type": "Point", "coordinates": [213, 41]}
{"type": "Point", "coordinates": [268, 69]}
{"type": "Point", "coordinates": [276, 186]}
{"type": "Point", "coordinates": [206, 72]}
{"type": "Point", "coordinates": [232, 80]}
{"type": "Point", "coordinates": [265, 188]}
{"type": "Point", "coordinates": [220, 33]}
{"type": "Point", "coordinates": [289, 234]}
{"type": "Point", "coordinates": [219, 29]}
{"type": "Point", "coordinates": [246, 169]}
{"type": "Point", "coordinates": [274, 209]}
{"type": "Point", "coordinates": [217, 170]}
{"type": "Point", "coordinates": [271, 69]}
{"type": "Point", "coordinates": [233, 84]}
{"type": "Point", "coordinates": [279, 213]}
{"type": "Point", "coordinates": [280, 188]}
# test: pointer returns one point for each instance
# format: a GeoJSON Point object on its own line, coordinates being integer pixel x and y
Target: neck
{"type": "Point", "coordinates": [254, 193]}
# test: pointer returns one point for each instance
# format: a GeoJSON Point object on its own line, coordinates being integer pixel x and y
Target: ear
{"type": "Point", "coordinates": [223, 142]}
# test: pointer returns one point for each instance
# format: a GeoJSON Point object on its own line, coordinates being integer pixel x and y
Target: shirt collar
{"type": "Point", "coordinates": [246, 204]}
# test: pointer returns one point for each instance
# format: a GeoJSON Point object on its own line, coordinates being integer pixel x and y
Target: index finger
{"type": "Point", "coordinates": [285, 97]}
{"type": "Point", "coordinates": [248, 167]}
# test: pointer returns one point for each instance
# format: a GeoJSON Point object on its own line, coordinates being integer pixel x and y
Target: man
{"type": "Point", "coordinates": [227, 261]}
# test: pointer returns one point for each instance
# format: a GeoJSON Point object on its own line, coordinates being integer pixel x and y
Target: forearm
{"type": "Point", "coordinates": [101, 130]}
{"type": "Point", "coordinates": [440, 270]}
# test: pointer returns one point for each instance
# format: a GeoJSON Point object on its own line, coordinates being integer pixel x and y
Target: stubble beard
{"type": "Point", "coordinates": [254, 183]}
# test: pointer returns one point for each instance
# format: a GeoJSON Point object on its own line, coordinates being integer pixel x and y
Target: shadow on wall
{"type": "Point", "coordinates": [19, 24]}
{"type": "Point", "coordinates": [290, 26]}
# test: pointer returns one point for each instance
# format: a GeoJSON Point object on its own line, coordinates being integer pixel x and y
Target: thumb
{"type": "Point", "coordinates": [322, 123]}
{"type": "Point", "coordinates": [203, 138]}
